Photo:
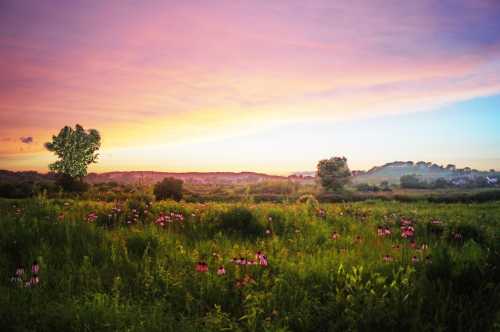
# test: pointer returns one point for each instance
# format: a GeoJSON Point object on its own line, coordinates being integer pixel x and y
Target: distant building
{"type": "Point", "coordinates": [491, 180]}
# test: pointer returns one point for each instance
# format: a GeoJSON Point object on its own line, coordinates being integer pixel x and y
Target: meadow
{"type": "Point", "coordinates": [83, 265]}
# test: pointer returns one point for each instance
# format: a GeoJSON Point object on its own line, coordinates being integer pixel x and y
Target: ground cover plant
{"type": "Point", "coordinates": [161, 266]}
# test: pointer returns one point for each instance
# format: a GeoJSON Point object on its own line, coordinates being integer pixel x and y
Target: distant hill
{"type": "Point", "coordinates": [27, 176]}
{"type": "Point", "coordinates": [426, 171]}
{"type": "Point", "coordinates": [390, 172]}
{"type": "Point", "coordinates": [151, 177]}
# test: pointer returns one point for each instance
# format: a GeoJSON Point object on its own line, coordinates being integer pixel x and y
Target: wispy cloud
{"type": "Point", "coordinates": [26, 139]}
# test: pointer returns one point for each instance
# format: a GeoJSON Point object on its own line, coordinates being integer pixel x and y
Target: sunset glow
{"type": "Point", "coordinates": [252, 85]}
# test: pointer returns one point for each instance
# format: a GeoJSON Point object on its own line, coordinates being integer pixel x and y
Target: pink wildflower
{"type": "Point", "coordinates": [388, 258]}
{"type": "Point", "coordinates": [202, 267]}
{"type": "Point", "coordinates": [221, 271]}
{"type": "Point", "coordinates": [34, 280]}
{"type": "Point", "coordinates": [407, 231]}
{"type": "Point", "coordinates": [35, 267]}
{"type": "Point", "coordinates": [263, 261]}
{"type": "Point", "coordinates": [19, 272]}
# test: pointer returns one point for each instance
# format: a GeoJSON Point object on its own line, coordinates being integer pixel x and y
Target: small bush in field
{"type": "Point", "coordinates": [168, 188]}
{"type": "Point", "coordinates": [240, 220]}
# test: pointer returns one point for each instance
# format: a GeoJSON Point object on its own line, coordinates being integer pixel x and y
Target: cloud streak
{"type": "Point", "coordinates": [26, 139]}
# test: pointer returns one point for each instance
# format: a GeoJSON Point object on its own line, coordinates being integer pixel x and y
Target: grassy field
{"type": "Point", "coordinates": [140, 266]}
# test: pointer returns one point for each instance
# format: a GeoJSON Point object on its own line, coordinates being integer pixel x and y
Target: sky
{"type": "Point", "coordinates": [266, 86]}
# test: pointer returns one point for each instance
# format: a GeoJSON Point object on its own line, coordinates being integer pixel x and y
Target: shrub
{"type": "Point", "coordinates": [168, 188]}
{"type": "Point", "coordinates": [240, 220]}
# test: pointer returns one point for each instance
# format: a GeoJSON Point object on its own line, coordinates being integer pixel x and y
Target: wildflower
{"type": "Point", "coordinates": [407, 231]}
{"type": "Point", "coordinates": [91, 217]}
{"type": "Point", "coordinates": [258, 254]}
{"type": "Point", "coordinates": [201, 267]}
{"type": "Point", "coordinates": [268, 231]}
{"type": "Point", "coordinates": [335, 236]}
{"type": "Point", "coordinates": [388, 258]}
{"type": "Point", "coordinates": [414, 259]}
{"type": "Point", "coordinates": [263, 261]}
{"type": "Point", "coordinates": [396, 246]}
{"type": "Point", "coordinates": [34, 280]}
{"type": "Point", "coordinates": [457, 236]}
{"type": "Point", "coordinates": [413, 244]}
{"type": "Point", "coordinates": [35, 267]}
{"type": "Point", "coordinates": [19, 272]}
{"type": "Point", "coordinates": [160, 220]}
{"type": "Point", "coordinates": [387, 231]}
{"type": "Point", "coordinates": [221, 271]}
{"type": "Point", "coordinates": [405, 222]}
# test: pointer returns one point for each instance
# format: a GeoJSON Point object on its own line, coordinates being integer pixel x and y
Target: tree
{"type": "Point", "coordinates": [440, 183]}
{"type": "Point", "coordinates": [333, 173]}
{"type": "Point", "coordinates": [451, 167]}
{"type": "Point", "coordinates": [168, 188]}
{"type": "Point", "coordinates": [75, 149]}
{"type": "Point", "coordinates": [411, 181]}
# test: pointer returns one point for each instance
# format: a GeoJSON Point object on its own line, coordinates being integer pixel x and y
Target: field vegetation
{"type": "Point", "coordinates": [140, 265]}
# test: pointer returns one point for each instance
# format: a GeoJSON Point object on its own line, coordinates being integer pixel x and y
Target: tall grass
{"type": "Point", "coordinates": [124, 271]}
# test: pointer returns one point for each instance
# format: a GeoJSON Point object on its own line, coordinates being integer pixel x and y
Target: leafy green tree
{"type": "Point", "coordinates": [333, 173]}
{"type": "Point", "coordinates": [411, 181]}
{"type": "Point", "coordinates": [168, 188]}
{"type": "Point", "coordinates": [75, 149]}
{"type": "Point", "coordinates": [440, 183]}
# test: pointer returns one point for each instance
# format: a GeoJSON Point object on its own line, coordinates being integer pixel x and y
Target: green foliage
{"type": "Point", "coordinates": [142, 277]}
{"type": "Point", "coordinates": [411, 181]}
{"type": "Point", "coordinates": [333, 173]}
{"type": "Point", "coordinates": [71, 184]}
{"type": "Point", "coordinates": [75, 149]}
{"type": "Point", "coordinates": [365, 187]}
{"type": "Point", "coordinates": [240, 220]}
{"type": "Point", "coordinates": [168, 188]}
